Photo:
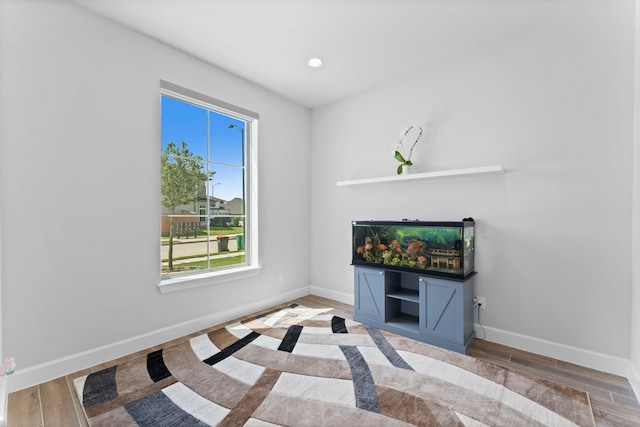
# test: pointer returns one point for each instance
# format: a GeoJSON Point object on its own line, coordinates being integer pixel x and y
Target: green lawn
{"type": "Point", "coordinates": [180, 258]}
{"type": "Point", "coordinates": [221, 231]}
{"type": "Point", "coordinates": [215, 262]}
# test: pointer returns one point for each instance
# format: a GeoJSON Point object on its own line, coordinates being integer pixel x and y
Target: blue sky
{"type": "Point", "coordinates": [186, 122]}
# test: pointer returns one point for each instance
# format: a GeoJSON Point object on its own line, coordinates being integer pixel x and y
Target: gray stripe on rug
{"type": "Point", "coordinates": [157, 410]}
{"type": "Point", "coordinates": [100, 387]}
{"type": "Point", "coordinates": [387, 349]}
{"type": "Point", "coordinates": [363, 385]}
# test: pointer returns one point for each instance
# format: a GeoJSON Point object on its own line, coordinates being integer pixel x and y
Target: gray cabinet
{"type": "Point", "coordinates": [447, 311]}
{"type": "Point", "coordinates": [430, 309]}
{"type": "Point", "coordinates": [371, 286]}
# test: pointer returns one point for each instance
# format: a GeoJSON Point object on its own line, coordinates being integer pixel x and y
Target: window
{"type": "Point", "coordinates": [208, 189]}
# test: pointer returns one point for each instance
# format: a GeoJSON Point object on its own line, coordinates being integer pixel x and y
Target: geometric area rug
{"type": "Point", "coordinates": [301, 366]}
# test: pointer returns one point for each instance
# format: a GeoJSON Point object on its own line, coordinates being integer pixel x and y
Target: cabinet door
{"type": "Point", "coordinates": [369, 293]}
{"type": "Point", "coordinates": [443, 313]}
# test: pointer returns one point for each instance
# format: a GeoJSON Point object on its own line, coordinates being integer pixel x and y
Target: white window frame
{"type": "Point", "coordinates": [252, 266]}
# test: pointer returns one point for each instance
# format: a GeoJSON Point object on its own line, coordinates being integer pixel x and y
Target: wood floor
{"type": "Point", "coordinates": [54, 403]}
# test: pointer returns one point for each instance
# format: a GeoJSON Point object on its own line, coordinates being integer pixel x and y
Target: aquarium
{"type": "Point", "coordinates": [439, 248]}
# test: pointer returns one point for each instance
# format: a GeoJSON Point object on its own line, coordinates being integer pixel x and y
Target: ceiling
{"type": "Point", "coordinates": [363, 43]}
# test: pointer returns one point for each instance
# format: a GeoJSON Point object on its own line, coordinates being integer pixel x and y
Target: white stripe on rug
{"type": "Point", "coordinates": [240, 370]}
{"type": "Point", "coordinates": [319, 350]}
{"type": "Point", "coordinates": [320, 317]}
{"type": "Point", "coordinates": [274, 318]}
{"type": "Point", "coordinates": [315, 330]}
{"type": "Point", "coordinates": [203, 347]}
{"type": "Point", "coordinates": [197, 406]}
{"type": "Point", "coordinates": [337, 339]}
{"type": "Point", "coordinates": [305, 313]}
{"type": "Point", "coordinates": [78, 383]}
{"type": "Point", "coordinates": [254, 422]}
{"type": "Point", "coordinates": [330, 390]}
{"type": "Point", "coordinates": [374, 356]}
{"type": "Point", "coordinates": [238, 330]}
{"type": "Point", "coordinates": [470, 422]}
{"type": "Point", "coordinates": [265, 341]}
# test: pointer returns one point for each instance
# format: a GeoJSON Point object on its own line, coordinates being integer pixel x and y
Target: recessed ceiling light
{"type": "Point", "coordinates": [315, 62]}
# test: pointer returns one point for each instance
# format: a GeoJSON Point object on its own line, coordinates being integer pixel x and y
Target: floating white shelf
{"type": "Point", "coordinates": [484, 170]}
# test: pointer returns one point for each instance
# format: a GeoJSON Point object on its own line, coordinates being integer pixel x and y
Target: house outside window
{"type": "Point", "coordinates": [208, 189]}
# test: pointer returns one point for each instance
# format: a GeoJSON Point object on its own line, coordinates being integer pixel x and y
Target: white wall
{"type": "Point", "coordinates": [635, 260]}
{"type": "Point", "coordinates": [3, 380]}
{"type": "Point", "coordinates": [79, 186]}
{"type": "Point", "coordinates": [79, 116]}
{"type": "Point", "coordinates": [554, 105]}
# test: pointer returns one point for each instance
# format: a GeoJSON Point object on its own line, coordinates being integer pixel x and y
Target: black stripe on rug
{"type": "Point", "coordinates": [387, 349]}
{"type": "Point", "coordinates": [363, 384]}
{"type": "Point", "coordinates": [155, 366]}
{"type": "Point", "coordinates": [157, 409]}
{"type": "Point", "coordinates": [290, 339]}
{"type": "Point", "coordinates": [338, 326]}
{"type": "Point", "coordinates": [99, 387]}
{"type": "Point", "coordinates": [228, 351]}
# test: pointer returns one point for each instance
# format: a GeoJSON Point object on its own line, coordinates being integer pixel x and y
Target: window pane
{"type": "Point", "coordinates": [183, 181]}
{"type": "Point", "coordinates": [182, 243]}
{"type": "Point", "coordinates": [227, 140]}
{"type": "Point", "coordinates": [184, 122]}
{"type": "Point", "coordinates": [227, 190]}
{"type": "Point", "coordinates": [227, 241]}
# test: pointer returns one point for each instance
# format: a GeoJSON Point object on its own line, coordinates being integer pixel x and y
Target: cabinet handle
{"type": "Point", "coordinates": [381, 273]}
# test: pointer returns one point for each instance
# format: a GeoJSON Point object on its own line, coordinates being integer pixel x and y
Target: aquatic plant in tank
{"type": "Point", "coordinates": [437, 248]}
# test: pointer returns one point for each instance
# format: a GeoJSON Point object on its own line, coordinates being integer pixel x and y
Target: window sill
{"type": "Point", "coordinates": [206, 279]}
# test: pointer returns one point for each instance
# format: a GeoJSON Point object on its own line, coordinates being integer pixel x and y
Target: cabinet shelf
{"type": "Point", "coordinates": [405, 295]}
{"type": "Point", "coordinates": [483, 170]}
{"type": "Point", "coordinates": [405, 321]}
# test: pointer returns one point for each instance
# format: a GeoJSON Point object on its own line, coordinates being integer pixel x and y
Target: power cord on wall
{"type": "Point", "coordinates": [484, 334]}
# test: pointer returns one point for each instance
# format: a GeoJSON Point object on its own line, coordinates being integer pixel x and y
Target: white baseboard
{"type": "Point", "coordinates": [578, 356]}
{"type": "Point", "coordinates": [342, 297]}
{"type": "Point", "coordinates": [50, 370]}
{"type": "Point", "coordinates": [634, 379]}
